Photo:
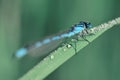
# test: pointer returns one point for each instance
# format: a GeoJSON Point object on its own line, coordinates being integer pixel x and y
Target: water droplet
{"type": "Point", "coordinates": [64, 49]}
{"type": "Point", "coordinates": [51, 57]}
{"type": "Point", "coordinates": [68, 46]}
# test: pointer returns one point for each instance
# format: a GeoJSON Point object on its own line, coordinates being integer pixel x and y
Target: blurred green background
{"type": "Point", "coordinates": [22, 21]}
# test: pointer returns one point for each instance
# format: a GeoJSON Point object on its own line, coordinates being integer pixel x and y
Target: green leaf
{"type": "Point", "coordinates": [62, 54]}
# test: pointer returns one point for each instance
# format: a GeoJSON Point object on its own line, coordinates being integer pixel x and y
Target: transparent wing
{"type": "Point", "coordinates": [44, 49]}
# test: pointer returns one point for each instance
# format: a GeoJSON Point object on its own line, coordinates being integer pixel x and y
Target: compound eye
{"type": "Point", "coordinates": [89, 25]}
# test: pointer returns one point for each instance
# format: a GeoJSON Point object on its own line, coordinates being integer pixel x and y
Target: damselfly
{"type": "Point", "coordinates": [48, 44]}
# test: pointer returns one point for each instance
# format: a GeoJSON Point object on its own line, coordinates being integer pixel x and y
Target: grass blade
{"type": "Point", "coordinates": [62, 54]}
